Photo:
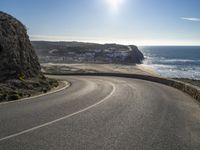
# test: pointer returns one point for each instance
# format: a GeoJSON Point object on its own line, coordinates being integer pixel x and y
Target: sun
{"type": "Point", "coordinates": [114, 5]}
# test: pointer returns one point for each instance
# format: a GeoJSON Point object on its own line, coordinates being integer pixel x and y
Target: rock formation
{"type": "Point", "coordinates": [78, 52]}
{"type": "Point", "coordinates": [136, 55]}
{"type": "Point", "coordinates": [17, 56]}
{"type": "Point", "coordinates": [20, 72]}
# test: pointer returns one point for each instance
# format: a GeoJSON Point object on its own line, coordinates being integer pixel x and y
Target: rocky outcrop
{"type": "Point", "coordinates": [20, 71]}
{"type": "Point", "coordinates": [17, 56]}
{"type": "Point", "coordinates": [136, 55]}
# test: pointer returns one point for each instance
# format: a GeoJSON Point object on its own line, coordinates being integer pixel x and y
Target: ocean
{"type": "Point", "coordinates": [173, 61]}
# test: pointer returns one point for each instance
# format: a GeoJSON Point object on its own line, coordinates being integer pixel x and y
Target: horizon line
{"type": "Point", "coordinates": [114, 43]}
{"type": "Point", "coordinates": [119, 40]}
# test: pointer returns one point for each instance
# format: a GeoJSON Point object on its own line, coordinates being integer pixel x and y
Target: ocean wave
{"type": "Point", "coordinates": [181, 60]}
{"type": "Point", "coordinates": [180, 74]}
{"type": "Point", "coordinates": [170, 60]}
{"type": "Point", "coordinates": [173, 71]}
{"type": "Point", "coordinates": [178, 62]}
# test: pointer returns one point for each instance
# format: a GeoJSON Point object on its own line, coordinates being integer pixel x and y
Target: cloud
{"type": "Point", "coordinates": [190, 19]}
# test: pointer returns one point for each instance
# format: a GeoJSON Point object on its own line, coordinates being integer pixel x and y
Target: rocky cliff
{"type": "Point", "coordinates": [78, 52]}
{"type": "Point", "coordinates": [17, 56]}
{"type": "Point", "coordinates": [20, 72]}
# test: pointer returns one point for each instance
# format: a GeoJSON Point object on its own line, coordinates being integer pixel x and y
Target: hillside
{"type": "Point", "coordinates": [78, 52]}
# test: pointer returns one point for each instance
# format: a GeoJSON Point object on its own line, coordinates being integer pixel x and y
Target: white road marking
{"type": "Point", "coordinates": [60, 119]}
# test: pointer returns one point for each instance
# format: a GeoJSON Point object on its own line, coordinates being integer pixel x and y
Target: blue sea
{"type": "Point", "coordinates": [173, 61]}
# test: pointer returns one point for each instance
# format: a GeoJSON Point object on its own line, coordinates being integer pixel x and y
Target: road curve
{"type": "Point", "coordinates": [110, 113]}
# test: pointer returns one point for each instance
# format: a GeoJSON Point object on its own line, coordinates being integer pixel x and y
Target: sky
{"type": "Point", "coordinates": [140, 22]}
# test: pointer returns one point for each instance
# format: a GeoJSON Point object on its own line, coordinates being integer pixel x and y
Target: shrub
{"type": "Point", "coordinates": [21, 76]}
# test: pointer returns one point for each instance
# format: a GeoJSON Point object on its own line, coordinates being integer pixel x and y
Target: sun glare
{"type": "Point", "coordinates": [114, 4]}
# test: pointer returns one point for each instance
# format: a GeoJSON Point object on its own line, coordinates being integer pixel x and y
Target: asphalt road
{"type": "Point", "coordinates": [98, 113]}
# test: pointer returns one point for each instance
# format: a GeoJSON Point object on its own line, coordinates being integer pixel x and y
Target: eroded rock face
{"type": "Point", "coordinates": [17, 56]}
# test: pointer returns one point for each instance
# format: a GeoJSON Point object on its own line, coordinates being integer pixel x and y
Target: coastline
{"type": "Point", "coordinates": [152, 72]}
{"type": "Point", "coordinates": [147, 69]}
{"type": "Point", "coordinates": [173, 61]}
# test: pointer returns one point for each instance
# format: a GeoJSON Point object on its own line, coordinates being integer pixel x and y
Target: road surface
{"type": "Point", "coordinates": [103, 113]}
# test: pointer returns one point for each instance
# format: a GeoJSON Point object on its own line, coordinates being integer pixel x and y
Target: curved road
{"type": "Point", "coordinates": [98, 113]}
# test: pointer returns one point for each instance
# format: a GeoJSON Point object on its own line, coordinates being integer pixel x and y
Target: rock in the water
{"type": "Point", "coordinates": [17, 56]}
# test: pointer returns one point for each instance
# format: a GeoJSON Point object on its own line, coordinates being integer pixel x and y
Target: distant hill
{"type": "Point", "coordinates": [78, 52]}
